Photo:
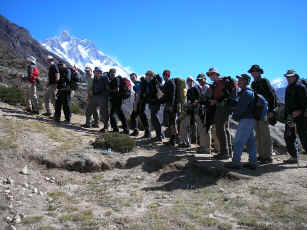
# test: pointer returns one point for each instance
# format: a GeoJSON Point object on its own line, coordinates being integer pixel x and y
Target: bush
{"type": "Point", "coordinates": [116, 141]}
{"type": "Point", "coordinates": [76, 109]}
{"type": "Point", "coordinates": [11, 95]}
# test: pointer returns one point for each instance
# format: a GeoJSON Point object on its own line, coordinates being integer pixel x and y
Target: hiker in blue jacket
{"type": "Point", "coordinates": [243, 113]}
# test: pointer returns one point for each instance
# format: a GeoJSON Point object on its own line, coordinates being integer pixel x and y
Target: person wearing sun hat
{"type": "Point", "coordinates": [262, 86]}
{"type": "Point", "coordinates": [218, 101]}
{"type": "Point", "coordinates": [243, 113]}
{"type": "Point", "coordinates": [32, 76]}
{"type": "Point", "coordinates": [296, 114]}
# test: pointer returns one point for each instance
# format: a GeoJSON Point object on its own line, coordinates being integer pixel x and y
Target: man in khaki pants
{"type": "Point", "coordinates": [32, 76]}
{"type": "Point", "coordinates": [263, 87]}
{"type": "Point", "coordinates": [53, 77]}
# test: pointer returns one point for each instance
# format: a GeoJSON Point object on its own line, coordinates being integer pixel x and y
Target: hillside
{"type": "Point", "coordinates": [70, 185]}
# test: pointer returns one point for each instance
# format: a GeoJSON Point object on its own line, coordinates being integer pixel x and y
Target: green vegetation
{"type": "Point", "coordinates": [11, 95]}
{"type": "Point", "coordinates": [76, 109]}
{"type": "Point", "coordinates": [32, 220]}
{"type": "Point", "coordinates": [116, 141]}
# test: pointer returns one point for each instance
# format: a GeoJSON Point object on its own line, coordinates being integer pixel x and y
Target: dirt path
{"type": "Point", "coordinates": [153, 187]}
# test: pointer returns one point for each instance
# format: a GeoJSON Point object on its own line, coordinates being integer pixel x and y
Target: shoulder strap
{"type": "Point", "coordinates": [174, 91]}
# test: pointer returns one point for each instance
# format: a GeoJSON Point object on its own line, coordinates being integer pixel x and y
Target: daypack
{"type": "Point", "coordinates": [124, 87]}
{"type": "Point", "coordinates": [34, 75]}
{"type": "Point", "coordinates": [260, 107]}
{"type": "Point", "coordinates": [225, 88]}
{"type": "Point", "coordinates": [180, 90]}
{"type": "Point", "coordinates": [304, 82]}
{"type": "Point", "coordinates": [75, 78]}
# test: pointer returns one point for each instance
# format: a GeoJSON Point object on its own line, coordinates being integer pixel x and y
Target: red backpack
{"type": "Point", "coordinates": [124, 87]}
{"type": "Point", "coordinates": [34, 75]}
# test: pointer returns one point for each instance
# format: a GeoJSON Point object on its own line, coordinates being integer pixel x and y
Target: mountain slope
{"type": "Point", "coordinates": [16, 44]}
{"type": "Point", "coordinates": [81, 53]}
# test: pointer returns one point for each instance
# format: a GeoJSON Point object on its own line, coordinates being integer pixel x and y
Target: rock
{"type": "Point", "coordinates": [7, 191]}
{"type": "Point", "coordinates": [25, 170]}
{"type": "Point", "coordinates": [9, 219]}
{"type": "Point", "coordinates": [9, 181]}
{"type": "Point", "coordinates": [41, 193]}
{"type": "Point", "coordinates": [30, 195]}
{"type": "Point", "coordinates": [17, 219]}
{"type": "Point", "coordinates": [26, 185]}
{"type": "Point", "coordinates": [12, 227]}
{"type": "Point", "coordinates": [35, 190]}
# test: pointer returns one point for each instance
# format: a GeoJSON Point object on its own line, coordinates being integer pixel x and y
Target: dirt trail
{"type": "Point", "coordinates": [153, 187]}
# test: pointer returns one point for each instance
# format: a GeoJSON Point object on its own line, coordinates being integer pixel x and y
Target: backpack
{"type": "Point", "coordinates": [180, 90]}
{"type": "Point", "coordinates": [124, 87]}
{"type": "Point", "coordinates": [75, 78]}
{"type": "Point", "coordinates": [34, 75]}
{"type": "Point", "coordinates": [230, 87]}
{"type": "Point", "coordinates": [260, 107]}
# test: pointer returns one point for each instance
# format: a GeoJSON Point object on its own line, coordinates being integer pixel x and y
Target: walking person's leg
{"type": "Point", "coordinates": [67, 106]}
{"type": "Point", "coordinates": [34, 98]}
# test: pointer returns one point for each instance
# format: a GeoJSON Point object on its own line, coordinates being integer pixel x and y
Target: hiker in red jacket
{"type": "Point", "coordinates": [32, 76]}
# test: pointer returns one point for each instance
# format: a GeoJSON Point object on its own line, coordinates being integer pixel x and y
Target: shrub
{"type": "Point", "coordinates": [76, 109]}
{"type": "Point", "coordinates": [11, 95]}
{"type": "Point", "coordinates": [116, 141]}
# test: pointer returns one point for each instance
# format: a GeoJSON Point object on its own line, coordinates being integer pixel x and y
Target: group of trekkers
{"type": "Point", "coordinates": [194, 110]}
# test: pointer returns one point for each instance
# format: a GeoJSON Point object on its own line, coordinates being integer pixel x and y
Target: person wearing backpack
{"type": "Point", "coordinates": [99, 96]}
{"type": "Point", "coordinates": [137, 110]}
{"type": "Point", "coordinates": [149, 95]}
{"type": "Point", "coordinates": [116, 104]}
{"type": "Point", "coordinates": [223, 91]}
{"type": "Point", "coordinates": [201, 115]}
{"type": "Point", "coordinates": [188, 116]}
{"type": "Point", "coordinates": [51, 89]}
{"type": "Point", "coordinates": [63, 98]}
{"type": "Point", "coordinates": [32, 76]}
{"type": "Point", "coordinates": [296, 114]}
{"type": "Point", "coordinates": [262, 86]}
{"type": "Point", "coordinates": [75, 78]}
{"type": "Point", "coordinates": [89, 109]}
{"type": "Point", "coordinates": [243, 113]}
{"type": "Point", "coordinates": [170, 101]}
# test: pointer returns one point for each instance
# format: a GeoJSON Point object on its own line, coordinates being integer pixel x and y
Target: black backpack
{"type": "Point", "coordinates": [75, 79]}
{"type": "Point", "coordinates": [124, 87]}
{"type": "Point", "coordinates": [260, 107]}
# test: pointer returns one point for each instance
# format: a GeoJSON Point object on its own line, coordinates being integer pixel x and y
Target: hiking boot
{"type": "Point", "coordinates": [35, 112]}
{"type": "Point", "coordinates": [291, 160]}
{"type": "Point", "coordinates": [171, 143]}
{"type": "Point", "coordinates": [47, 114]}
{"type": "Point", "coordinates": [56, 120]}
{"type": "Point", "coordinates": [265, 161]}
{"type": "Point", "coordinates": [184, 145]}
{"type": "Point", "coordinates": [126, 131]}
{"type": "Point", "coordinates": [252, 166]}
{"type": "Point", "coordinates": [231, 165]}
{"type": "Point", "coordinates": [67, 122]}
{"type": "Point", "coordinates": [95, 126]}
{"type": "Point", "coordinates": [28, 110]}
{"type": "Point", "coordinates": [201, 150]}
{"type": "Point", "coordinates": [221, 157]}
{"type": "Point", "coordinates": [147, 134]}
{"type": "Point", "coordinates": [103, 130]}
{"type": "Point", "coordinates": [86, 126]}
{"type": "Point", "coordinates": [135, 133]}
{"type": "Point", "coordinates": [157, 139]}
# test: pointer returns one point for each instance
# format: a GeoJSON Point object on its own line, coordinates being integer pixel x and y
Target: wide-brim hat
{"type": "Point", "coordinates": [255, 68]}
{"type": "Point", "coordinates": [244, 77]}
{"type": "Point", "coordinates": [112, 71]}
{"type": "Point", "coordinates": [200, 76]}
{"type": "Point", "coordinates": [190, 79]}
{"type": "Point", "coordinates": [97, 69]}
{"type": "Point", "coordinates": [291, 73]}
{"type": "Point", "coordinates": [213, 70]}
{"type": "Point", "coordinates": [31, 59]}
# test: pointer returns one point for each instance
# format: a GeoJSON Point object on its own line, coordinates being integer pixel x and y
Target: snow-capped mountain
{"type": "Point", "coordinates": [279, 83]}
{"type": "Point", "coordinates": [82, 53]}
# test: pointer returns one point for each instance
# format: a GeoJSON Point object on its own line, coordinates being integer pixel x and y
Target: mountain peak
{"type": "Point", "coordinates": [65, 36]}
{"type": "Point", "coordinates": [81, 53]}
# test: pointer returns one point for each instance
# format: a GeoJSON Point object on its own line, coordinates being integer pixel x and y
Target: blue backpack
{"type": "Point", "coordinates": [260, 108]}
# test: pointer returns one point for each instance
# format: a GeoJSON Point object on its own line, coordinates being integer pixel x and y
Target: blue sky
{"type": "Point", "coordinates": [186, 37]}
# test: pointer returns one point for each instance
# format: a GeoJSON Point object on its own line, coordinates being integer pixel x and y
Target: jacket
{"type": "Point", "coordinates": [65, 77]}
{"type": "Point", "coordinates": [101, 86]}
{"type": "Point", "coordinates": [148, 93]}
{"type": "Point", "coordinates": [296, 98]}
{"type": "Point", "coordinates": [33, 73]}
{"type": "Point", "coordinates": [169, 97]}
{"type": "Point", "coordinates": [90, 85]}
{"type": "Point", "coordinates": [264, 88]}
{"type": "Point", "coordinates": [244, 107]}
{"type": "Point", "coordinates": [53, 70]}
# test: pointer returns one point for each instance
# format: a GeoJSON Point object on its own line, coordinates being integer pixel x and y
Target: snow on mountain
{"type": "Point", "coordinates": [82, 53]}
{"type": "Point", "coordinates": [279, 83]}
